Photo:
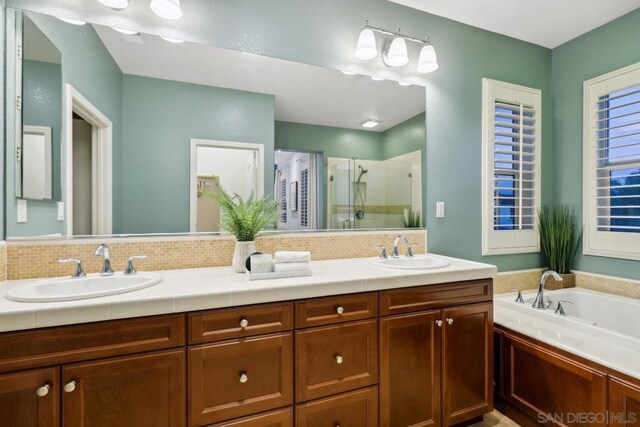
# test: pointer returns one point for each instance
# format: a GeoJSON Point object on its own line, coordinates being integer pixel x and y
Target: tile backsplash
{"type": "Point", "coordinates": [27, 260]}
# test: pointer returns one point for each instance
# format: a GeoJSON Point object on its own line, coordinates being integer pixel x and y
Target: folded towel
{"type": "Point", "coordinates": [292, 256]}
{"type": "Point", "coordinates": [291, 266]}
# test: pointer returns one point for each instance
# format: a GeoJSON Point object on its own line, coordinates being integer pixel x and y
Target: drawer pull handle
{"type": "Point", "coordinates": [244, 322]}
{"type": "Point", "coordinates": [450, 321]}
{"type": "Point", "coordinates": [339, 359]}
{"type": "Point", "coordinates": [43, 390]}
{"type": "Point", "coordinates": [243, 377]}
{"type": "Point", "coordinates": [340, 309]}
{"type": "Point", "coordinates": [70, 386]}
{"type": "Point", "coordinates": [439, 323]}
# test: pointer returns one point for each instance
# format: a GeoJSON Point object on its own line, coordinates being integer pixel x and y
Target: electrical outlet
{"type": "Point", "coordinates": [21, 213]}
{"type": "Point", "coordinates": [439, 209]}
{"type": "Point", "coordinates": [60, 211]}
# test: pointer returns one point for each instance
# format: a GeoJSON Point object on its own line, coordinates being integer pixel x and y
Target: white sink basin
{"type": "Point", "coordinates": [92, 286]}
{"type": "Point", "coordinates": [418, 262]}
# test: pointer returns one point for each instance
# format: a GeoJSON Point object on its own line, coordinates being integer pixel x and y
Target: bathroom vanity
{"type": "Point", "coordinates": [384, 351]}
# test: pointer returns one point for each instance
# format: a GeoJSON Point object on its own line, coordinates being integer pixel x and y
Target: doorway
{"type": "Point", "coordinates": [82, 177]}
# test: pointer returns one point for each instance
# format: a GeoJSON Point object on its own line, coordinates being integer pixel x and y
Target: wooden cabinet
{"type": "Point", "coordinates": [538, 381]}
{"type": "Point", "coordinates": [30, 398]}
{"type": "Point", "coordinates": [334, 359]}
{"type": "Point", "coordinates": [624, 403]}
{"type": "Point", "coordinates": [338, 309]}
{"type": "Point", "coordinates": [354, 409]}
{"type": "Point", "coordinates": [410, 355]}
{"type": "Point", "coordinates": [235, 378]}
{"type": "Point", "coordinates": [279, 418]}
{"type": "Point", "coordinates": [146, 390]}
{"type": "Point", "coordinates": [467, 362]}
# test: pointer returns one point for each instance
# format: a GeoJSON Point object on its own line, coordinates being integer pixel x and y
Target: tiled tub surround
{"type": "Point", "coordinates": [207, 288]}
{"type": "Point", "coordinates": [35, 259]}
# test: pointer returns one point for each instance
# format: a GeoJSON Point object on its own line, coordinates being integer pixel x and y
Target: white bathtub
{"type": "Point", "coordinates": [601, 327]}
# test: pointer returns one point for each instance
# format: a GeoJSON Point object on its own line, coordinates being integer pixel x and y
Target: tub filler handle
{"type": "Point", "coordinates": [560, 309]}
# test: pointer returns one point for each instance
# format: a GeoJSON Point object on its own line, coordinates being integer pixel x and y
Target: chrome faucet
{"type": "Point", "coordinates": [79, 271]}
{"type": "Point", "coordinates": [404, 240]}
{"type": "Point", "coordinates": [539, 301]}
{"type": "Point", "coordinates": [103, 251]}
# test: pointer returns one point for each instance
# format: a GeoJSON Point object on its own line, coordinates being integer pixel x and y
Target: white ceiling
{"type": "Point", "coordinates": [548, 23]}
{"type": "Point", "coordinates": [303, 93]}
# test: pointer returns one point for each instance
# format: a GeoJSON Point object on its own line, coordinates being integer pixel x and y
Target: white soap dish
{"type": "Point", "coordinates": [278, 274]}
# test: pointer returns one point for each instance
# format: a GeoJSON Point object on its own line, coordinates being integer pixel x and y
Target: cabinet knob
{"type": "Point", "coordinates": [244, 322]}
{"type": "Point", "coordinates": [450, 321]}
{"type": "Point", "coordinates": [439, 323]}
{"type": "Point", "coordinates": [70, 386]}
{"type": "Point", "coordinates": [43, 390]}
{"type": "Point", "coordinates": [243, 377]}
{"type": "Point", "coordinates": [339, 359]}
{"type": "Point", "coordinates": [339, 309]}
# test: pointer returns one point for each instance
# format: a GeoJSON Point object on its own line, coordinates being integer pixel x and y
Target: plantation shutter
{"type": "Point", "coordinates": [283, 201]}
{"type": "Point", "coordinates": [304, 198]}
{"type": "Point", "coordinates": [511, 167]}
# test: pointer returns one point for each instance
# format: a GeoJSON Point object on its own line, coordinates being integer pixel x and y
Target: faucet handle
{"type": "Point", "coordinates": [131, 270]}
{"type": "Point", "coordinates": [383, 253]}
{"type": "Point", "coordinates": [410, 249]}
{"type": "Point", "coordinates": [519, 298]}
{"type": "Point", "coordinates": [79, 270]}
{"type": "Point", "coordinates": [560, 308]}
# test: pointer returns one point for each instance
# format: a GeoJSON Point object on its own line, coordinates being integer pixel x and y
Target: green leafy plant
{"type": "Point", "coordinates": [559, 236]}
{"type": "Point", "coordinates": [411, 219]}
{"type": "Point", "coordinates": [244, 218]}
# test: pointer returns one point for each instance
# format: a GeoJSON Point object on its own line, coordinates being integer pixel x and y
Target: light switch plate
{"type": "Point", "coordinates": [439, 209]}
{"type": "Point", "coordinates": [21, 214]}
{"type": "Point", "coordinates": [60, 211]}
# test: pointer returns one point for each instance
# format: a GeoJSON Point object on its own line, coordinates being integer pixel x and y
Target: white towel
{"type": "Point", "coordinates": [292, 256]}
{"type": "Point", "coordinates": [292, 266]}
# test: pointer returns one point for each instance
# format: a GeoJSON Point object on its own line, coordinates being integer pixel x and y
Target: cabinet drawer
{"type": "Point", "coordinates": [232, 379]}
{"type": "Point", "coordinates": [240, 322]}
{"type": "Point", "coordinates": [334, 359]}
{"type": "Point", "coordinates": [280, 418]}
{"type": "Point", "coordinates": [435, 296]}
{"type": "Point", "coordinates": [65, 344]}
{"type": "Point", "coordinates": [357, 408]}
{"type": "Point", "coordinates": [325, 311]}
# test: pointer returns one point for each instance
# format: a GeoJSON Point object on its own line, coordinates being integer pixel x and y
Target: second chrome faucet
{"type": "Point", "coordinates": [103, 251]}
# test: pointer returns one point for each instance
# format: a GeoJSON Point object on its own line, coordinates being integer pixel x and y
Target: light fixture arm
{"type": "Point", "coordinates": [397, 34]}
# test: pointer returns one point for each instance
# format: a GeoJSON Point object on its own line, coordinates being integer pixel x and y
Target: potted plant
{"type": "Point", "coordinates": [559, 241]}
{"type": "Point", "coordinates": [244, 218]}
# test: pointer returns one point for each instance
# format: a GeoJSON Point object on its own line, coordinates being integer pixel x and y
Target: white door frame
{"type": "Point", "coordinates": [193, 170]}
{"type": "Point", "coordinates": [101, 162]}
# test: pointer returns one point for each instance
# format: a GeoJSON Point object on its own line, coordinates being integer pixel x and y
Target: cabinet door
{"type": "Point", "coordinates": [30, 398]}
{"type": "Point", "coordinates": [236, 378]}
{"type": "Point", "coordinates": [624, 403]}
{"type": "Point", "coordinates": [145, 390]}
{"type": "Point", "coordinates": [467, 362]}
{"type": "Point", "coordinates": [410, 370]}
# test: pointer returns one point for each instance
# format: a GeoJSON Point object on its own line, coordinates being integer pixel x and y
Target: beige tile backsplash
{"type": "Point", "coordinates": [26, 260]}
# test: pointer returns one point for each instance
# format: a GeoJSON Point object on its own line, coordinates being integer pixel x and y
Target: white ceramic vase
{"type": "Point", "coordinates": [241, 253]}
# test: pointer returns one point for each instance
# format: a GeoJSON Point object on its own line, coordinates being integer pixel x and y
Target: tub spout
{"type": "Point", "coordinates": [539, 301]}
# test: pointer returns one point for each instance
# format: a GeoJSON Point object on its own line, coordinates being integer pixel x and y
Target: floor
{"type": "Point", "coordinates": [495, 419]}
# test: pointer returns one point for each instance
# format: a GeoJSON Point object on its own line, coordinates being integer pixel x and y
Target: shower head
{"type": "Point", "coordinates": [362, 170]}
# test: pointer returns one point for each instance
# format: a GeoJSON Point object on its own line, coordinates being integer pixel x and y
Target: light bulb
{"type": "Point", "coordinates": [397, 53]}
{"type": "Point", "coordinates": [115, 4]}
{"type": "Point", "coordinates": [125, 31]}
{"type": "Point", "coordinates": [167, 9]}
{"type": "Point", "coordinates": [428, 61]}
{"type": "Point", "coordinates": [366, 48]}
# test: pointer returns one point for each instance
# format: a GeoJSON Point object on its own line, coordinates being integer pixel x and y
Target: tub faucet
{"type": "Point", "coordinates": [103, 251]}
{"type": "Point", "coordinates": [539, 301]}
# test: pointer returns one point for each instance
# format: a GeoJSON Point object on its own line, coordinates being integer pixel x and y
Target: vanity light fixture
{"type": "Point", "coordinates": [167, 9]}
{"type": "Point", "coordinates": [125, 31]}
{"type": "Point", "coordinates": [371, 123]}
{"type": "Point", "coordinates": [172, 40]}
{"type": "Point", "coordinates": [394, 49]}
{"type": "Point", "coordinates": [115, 4]}
{"type": "Point", "coordinates": [72, 21]}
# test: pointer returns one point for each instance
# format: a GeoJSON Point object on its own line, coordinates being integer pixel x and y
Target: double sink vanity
{"type": "Point", "coordinates": [356, 344]}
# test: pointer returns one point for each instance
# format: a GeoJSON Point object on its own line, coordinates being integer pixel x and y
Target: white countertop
{"type": "Point", "coordinates": [620, 357]}
{"type": "Point", "coordinates": [207, 288]}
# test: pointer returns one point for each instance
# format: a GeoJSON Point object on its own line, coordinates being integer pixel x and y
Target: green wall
{"type": "Point", "coordinates": [160, 118]}
{"type": "Point", "coordinates": [406, 137]}
{"type": "Point", "coordinates": [605, 49]}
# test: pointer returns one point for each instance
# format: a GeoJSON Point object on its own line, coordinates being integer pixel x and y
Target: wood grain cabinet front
{"type": "Point", "coordinates": [336, 309]}
{"type": "Point", "coordinates": [624, 403]}
{"type": "Point", "coordinates": [334, 359]}
{"type": "Point", "coordinates": [232, 379]}
{"type": "Point", "coordinates": [144, 390]}
{"type": "Point", "coordinates": [279, 418]}
{"type": "Point", "coordinates": [30, 398]}
{"type": "Point", "coordinates": [354, 409]}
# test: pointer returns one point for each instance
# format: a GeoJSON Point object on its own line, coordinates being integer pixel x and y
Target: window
{"type": "Point", "coordinates": [612, 164]}
{"type": "Point", "coordinates": [510, 168]}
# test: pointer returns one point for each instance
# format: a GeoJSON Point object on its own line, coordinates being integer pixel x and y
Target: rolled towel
{"type": "Point", "coordinates": [292, 266]}
{"type": "Point", "coordinates": [292, 256]}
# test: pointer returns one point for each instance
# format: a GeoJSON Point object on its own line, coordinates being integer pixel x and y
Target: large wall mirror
{"type": "Point", "coordinates": [135, 129]}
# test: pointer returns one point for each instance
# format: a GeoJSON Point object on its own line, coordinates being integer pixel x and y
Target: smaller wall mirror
{"type": "Point", "coordinates": [38, 148]}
